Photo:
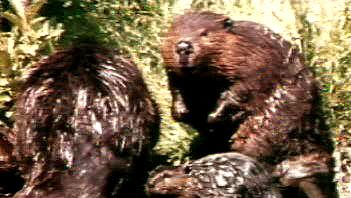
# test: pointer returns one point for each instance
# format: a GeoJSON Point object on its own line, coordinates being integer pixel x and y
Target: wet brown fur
{"type": "Point", "coordinates": [10, 179]}
{"type": "Point", "coordinates": [241, 72]}
{"type": "Point", "coordinates": [214, 176]}
{"type": "Point", "coordinates": [84, 125]}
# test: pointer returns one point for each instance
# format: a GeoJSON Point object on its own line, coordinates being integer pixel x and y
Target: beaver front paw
{"type": "Point", "coordinates": [179, 110]}
{"type": "Point", "coordinates": [227, 108]}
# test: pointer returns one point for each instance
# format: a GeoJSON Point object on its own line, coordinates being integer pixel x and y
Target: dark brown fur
{"type": "Point", "coordinates": [84, 125]}
{"type": "Point", "coordinates": [10, 180]}
{"type": "Point", "coordinates": [214, 176]}
{"type": "Point", "coordinates": [223, 72]}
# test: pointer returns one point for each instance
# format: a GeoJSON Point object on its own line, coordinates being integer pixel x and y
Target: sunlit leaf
{"type": "Point", "coordinates": [12, 18]}
{"type": "Point", "coordinates": [5, 61]}
{"type": "Point", "coordinates": [5, 97]}
{"type": "Point", "coordinates": [37, 20]}
{"type": "Point", "coordinates": [45, 29]}
{"type": "Point", "coordinates": [3, 82]}
{"type": "Point", "coordinates": [19, 7]}
{"type": "Point", "coordinates": [33, 10]}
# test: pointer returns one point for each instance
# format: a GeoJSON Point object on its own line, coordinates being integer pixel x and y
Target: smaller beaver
{"type": "Point", "coordinates": [214, 176]}
{"type": "Point", "coordinates": [84, 125]}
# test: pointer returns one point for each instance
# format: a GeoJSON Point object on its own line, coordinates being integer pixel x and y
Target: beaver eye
{"type": "Point", "coordinates": [228, 24]}
{"type": "Point", "coordinates": [204, 33]}
{"type": "Point", "coordinates": [187, 169]}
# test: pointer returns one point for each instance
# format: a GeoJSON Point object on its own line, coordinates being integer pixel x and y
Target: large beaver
{"type": "Point", "coordinates": [84, 122]}
{"type": "Point", "coordinates": [224, 73]}
{"type": "Point", "coordinates": [214, 176]}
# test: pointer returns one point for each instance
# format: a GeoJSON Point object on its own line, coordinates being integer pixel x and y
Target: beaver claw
{"type": "Point", "coordinates": [227, 105]}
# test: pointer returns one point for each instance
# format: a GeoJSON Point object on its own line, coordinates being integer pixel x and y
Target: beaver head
{"type": "Point", "coordinates": [219, 175]}
{"type": "Point", "coordinates": [216, 44]}
{"type": "Point", "coordinates": [194, 39]}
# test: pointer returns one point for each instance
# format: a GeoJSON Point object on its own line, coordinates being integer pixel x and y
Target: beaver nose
{"type": "Point", "coordinates": [184, 48]}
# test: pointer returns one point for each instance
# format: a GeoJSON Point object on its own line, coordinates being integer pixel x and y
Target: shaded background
{"type": "Point", "coordinates": [30, 30]}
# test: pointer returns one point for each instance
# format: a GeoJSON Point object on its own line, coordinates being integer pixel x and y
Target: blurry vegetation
{"type": "Point", "coordinates": [24, 37]}
{"type": "Point", "coordinates": [32, 29]}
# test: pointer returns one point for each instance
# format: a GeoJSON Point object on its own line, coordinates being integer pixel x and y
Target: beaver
{"type": "Point", "coordinates": [240, 77]}
{"type": "Point", "coordinates": [218, 175]}
{"type": "Point", "coordinates": [84, 125]}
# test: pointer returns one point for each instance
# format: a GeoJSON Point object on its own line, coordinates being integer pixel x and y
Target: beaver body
{"type": "Point", "coordinates": [240, 77]}
{"type": "Point", "coordinates": [214, 176]}
{"type": "Point", "coordinates": [84, 123]}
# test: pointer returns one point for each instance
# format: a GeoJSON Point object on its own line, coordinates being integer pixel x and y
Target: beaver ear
{"type": "Point", "coordinates": [228, 24]}
{"type": "Point", "coordinates": [203, 32]}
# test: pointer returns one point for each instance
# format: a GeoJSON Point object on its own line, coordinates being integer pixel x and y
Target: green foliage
{"type": "Point", "coordinates": [30, 35]}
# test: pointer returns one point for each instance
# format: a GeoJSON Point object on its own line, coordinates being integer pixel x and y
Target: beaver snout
{"type": "Point", "coordinates": [184, 48]}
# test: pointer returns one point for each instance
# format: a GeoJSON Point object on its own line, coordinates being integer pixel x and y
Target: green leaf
{"type": "Point", "coordinates": [3, 82]}
{"type": "Point", "coordinates": [45, 29]}
{"type": "Point", "coordinates": [34, 8]}
{"type": "Point", "coordinates": [5, 97]}
{"type": "Point", "coordinates": [37, 20]}
{"type": "Point", "coordinates": [19, 7]}
{"type": "Point", "coordinates": [12, 18]}
{"type": "Point", "coordinates": [5, 60]}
